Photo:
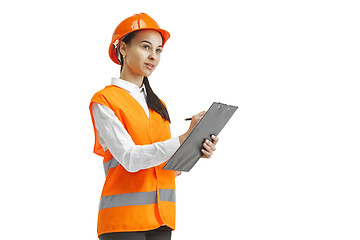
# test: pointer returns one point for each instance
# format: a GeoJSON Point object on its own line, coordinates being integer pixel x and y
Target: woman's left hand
{"type": "Point", "coordinates": [208, 150]}
{"type": "Point", "coordinates": [209, 147]}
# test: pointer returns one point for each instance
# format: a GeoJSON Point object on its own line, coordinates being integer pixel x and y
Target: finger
{"type": "Point", "coordinates": [206, 154]}
{"type": "Point", "coordinates": [206, 146]}
{"type": "Point", "coordinates": [215, 139]}
{"type": "Point", "coordinates": [207, 151]}
{"type": "Point", "coordinates": [210, 145]}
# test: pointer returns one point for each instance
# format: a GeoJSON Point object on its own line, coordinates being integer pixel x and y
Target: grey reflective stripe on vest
{"type": "Point", "coordinates": [110, 164]}
{"type": "Point", "coordinates": [137, 198]}
{"type": "Point", "coordinates": [167, 195]}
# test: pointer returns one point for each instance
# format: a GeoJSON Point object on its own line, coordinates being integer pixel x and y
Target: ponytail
{"type": "Point", "coordinates": [154, 102]}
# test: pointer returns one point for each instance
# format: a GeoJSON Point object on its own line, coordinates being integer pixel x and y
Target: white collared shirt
{"type": "Point", "coordinates": [114, 137]}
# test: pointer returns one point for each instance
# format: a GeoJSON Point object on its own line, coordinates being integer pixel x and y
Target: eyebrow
{"type": "Point", "coordinates": [149, 43]}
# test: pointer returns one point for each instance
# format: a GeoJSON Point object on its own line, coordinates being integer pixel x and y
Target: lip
{"type": "Point", "coordinates": [150, 66]}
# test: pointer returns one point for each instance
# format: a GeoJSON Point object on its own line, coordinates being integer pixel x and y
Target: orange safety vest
{"type": "Point", "coordinates": [142, 200]}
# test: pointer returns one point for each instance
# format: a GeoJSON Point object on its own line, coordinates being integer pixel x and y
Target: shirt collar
{"type": "Point", "coordinates": [128, 86]}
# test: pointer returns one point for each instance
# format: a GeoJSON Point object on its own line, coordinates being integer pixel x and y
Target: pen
{"type": "Point", "coordinates": [187, 119]}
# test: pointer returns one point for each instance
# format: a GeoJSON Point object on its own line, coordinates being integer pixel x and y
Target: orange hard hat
{"type": "Point", "coordinates": [131, 24]}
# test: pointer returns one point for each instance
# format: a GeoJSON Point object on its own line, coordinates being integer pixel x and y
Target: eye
{"type": "Point", "coordinates": [159, 50]}
{"type": "Point", "coordinates": [147, 47]}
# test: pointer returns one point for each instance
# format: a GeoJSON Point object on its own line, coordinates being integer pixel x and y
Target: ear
{"type": "Point", "coordinates": [122, 48]}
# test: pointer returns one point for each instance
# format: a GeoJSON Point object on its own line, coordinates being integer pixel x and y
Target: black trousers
{"type": "Point", "coordinates": [161, 233]}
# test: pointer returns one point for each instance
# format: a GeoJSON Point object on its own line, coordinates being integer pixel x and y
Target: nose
{"type": "Point", "coordinates": [152, 56]}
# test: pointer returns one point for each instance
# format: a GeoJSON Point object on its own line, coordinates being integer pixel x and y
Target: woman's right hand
{"type": "Point", "coordinates": [194, 121]}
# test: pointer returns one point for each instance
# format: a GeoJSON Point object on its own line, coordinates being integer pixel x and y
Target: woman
{"type": "Point", "coordinates": [132, 133]}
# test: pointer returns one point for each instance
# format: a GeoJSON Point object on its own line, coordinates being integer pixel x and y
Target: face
{"type": "Point", "coordinates": [142, 53]}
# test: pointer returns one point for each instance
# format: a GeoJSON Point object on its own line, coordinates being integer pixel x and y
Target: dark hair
{"type": "Point", "coordinates": [152, 99]}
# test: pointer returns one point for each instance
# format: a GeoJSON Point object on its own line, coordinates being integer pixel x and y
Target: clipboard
{"type": "Point", "coordinates": [214, 120]}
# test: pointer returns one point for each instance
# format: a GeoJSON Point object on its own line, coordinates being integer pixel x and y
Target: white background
{"type": "Point", "coordinates": [287, 164]}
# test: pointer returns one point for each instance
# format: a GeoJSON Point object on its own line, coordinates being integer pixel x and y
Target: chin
{"type": "Point", "coordinates": [147, 74]}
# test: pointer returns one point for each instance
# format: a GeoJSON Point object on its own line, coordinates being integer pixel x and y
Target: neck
{"type": "Point", "coordinates": [130, 77]}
